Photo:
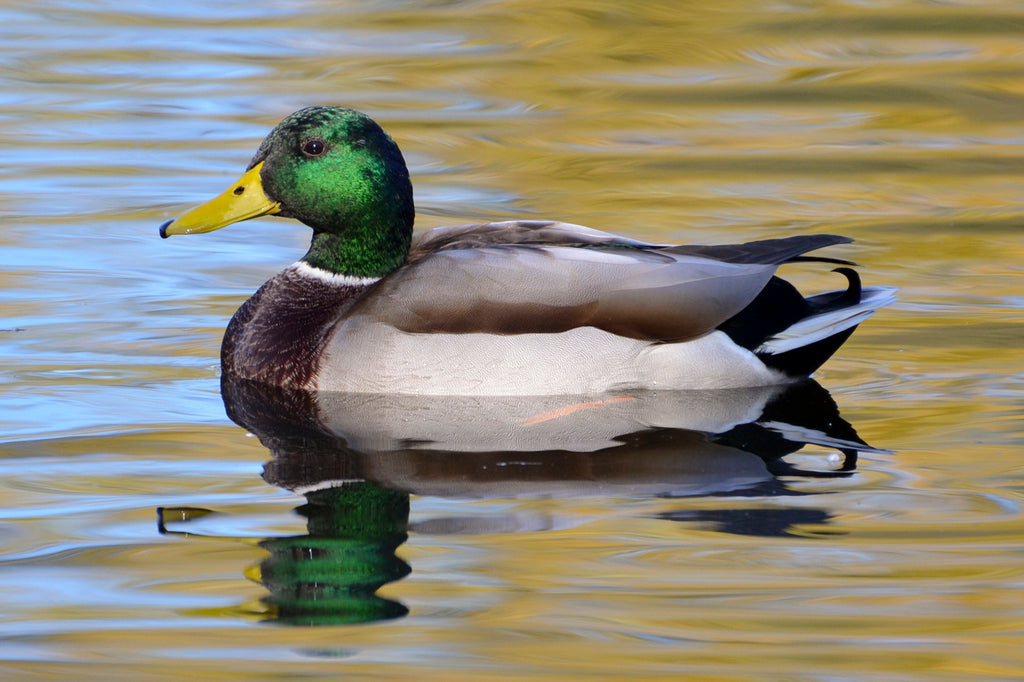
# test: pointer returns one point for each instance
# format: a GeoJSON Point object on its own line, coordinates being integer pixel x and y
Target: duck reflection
{"type": "Point", "coordinates": [357, 458]}
{"type": "Point", "coordinates": [330, 576]}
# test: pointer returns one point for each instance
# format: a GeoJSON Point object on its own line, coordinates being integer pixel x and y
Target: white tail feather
{"type": "Point", "coordinates": [817, 327]}
{"type": "Point", "coordinates": [815, 437]}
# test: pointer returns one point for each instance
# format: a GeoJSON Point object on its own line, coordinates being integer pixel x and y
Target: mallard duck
{"type": "Point", "coordinates": [503, 308]}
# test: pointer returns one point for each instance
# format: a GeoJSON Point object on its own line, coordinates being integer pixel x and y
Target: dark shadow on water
{"type": "Point", "coordinates": [358, 458]}
{"type": "Point", "coordinates": [757, 522]}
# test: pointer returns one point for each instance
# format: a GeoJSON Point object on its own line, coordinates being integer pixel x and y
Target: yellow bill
{"type": "Point", "coordinates": [243, 200]}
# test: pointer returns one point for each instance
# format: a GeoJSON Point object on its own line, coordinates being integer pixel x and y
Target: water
{"type": "Point", "coordinates": [142, 537]}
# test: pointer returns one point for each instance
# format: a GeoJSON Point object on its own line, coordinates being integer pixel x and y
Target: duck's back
{"type": "Point", "coordinates": [542, 308]}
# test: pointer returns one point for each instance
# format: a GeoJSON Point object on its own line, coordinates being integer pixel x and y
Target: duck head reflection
{"type": "Point", "coordinates": [357, 458]}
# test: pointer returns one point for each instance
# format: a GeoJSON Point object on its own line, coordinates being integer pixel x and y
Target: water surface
{"type": "Point", "coordinates": [897, 124]}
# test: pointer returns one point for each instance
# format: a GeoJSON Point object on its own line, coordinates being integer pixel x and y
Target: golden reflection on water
{"type": "Point", "coordinates": [896, 123]}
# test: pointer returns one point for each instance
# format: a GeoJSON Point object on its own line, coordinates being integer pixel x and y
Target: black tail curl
{"type": "Point", "coordinates": [779, 306]}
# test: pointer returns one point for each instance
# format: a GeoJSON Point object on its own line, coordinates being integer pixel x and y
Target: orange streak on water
{"type": "Point", "coordinates": [572, 409]}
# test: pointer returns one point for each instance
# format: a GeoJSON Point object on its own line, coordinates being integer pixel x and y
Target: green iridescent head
{"type": "Point", "coordinates": [335, 170]}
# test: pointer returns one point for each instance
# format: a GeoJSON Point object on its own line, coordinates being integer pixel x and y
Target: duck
{"type": "Point", "coordinates": [510, 308]}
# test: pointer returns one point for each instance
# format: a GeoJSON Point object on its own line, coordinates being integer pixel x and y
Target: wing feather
{"type": "Point", "coordinates": [524, 277]}
{"type": "Point", "coordinates": [543, 288]}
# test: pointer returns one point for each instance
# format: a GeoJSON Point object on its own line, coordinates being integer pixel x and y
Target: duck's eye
{"type": "Point", "coordinates": [314, 147]}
